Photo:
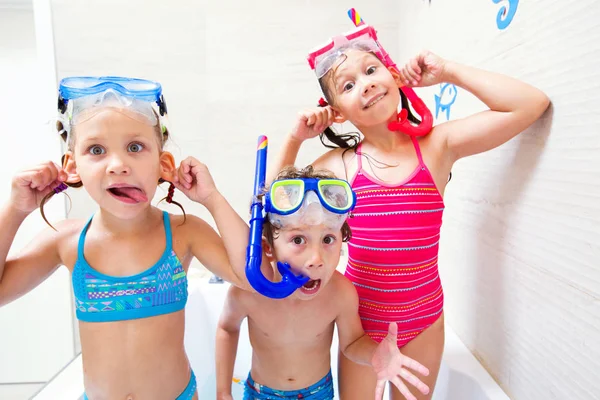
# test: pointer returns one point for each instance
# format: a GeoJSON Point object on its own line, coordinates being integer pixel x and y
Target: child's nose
{"type": "Point", "coordinates": [117, 166]}
{"type": "Point", "coordinates": [369, 86]}
{"type": "Point", "coordinates": [314, 262]}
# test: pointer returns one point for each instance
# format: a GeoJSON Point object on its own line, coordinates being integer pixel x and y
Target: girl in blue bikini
{"type": "Point", "coordinates": [129, 260]}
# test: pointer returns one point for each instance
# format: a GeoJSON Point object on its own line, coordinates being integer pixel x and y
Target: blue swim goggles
{"type": "Point", "coordinates": [289, 198]}
{"type": "Point", "coordinates": [309, 201]}
{"type": "Point", "coordinates": [80, 97]}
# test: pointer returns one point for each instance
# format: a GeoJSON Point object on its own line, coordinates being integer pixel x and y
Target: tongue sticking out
{"type": "Point", "coordinates": [130, 192]}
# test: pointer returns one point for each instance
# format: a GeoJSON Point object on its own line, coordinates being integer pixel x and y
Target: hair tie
{"type": "Point", "coordinates": [170, 193]}
{"type": "Point", "coordinates": [60, 188]}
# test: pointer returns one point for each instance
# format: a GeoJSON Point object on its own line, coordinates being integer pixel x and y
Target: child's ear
{"type": "Point", "coordinates": [268, 250]}
{"type": "Point", "coordinates": [167, 166]}
{"type": "Point", "coordinates": [70, 167]}
{"type": "Point", "coordinates": [338, 118]}
{"type": "Point", "coordinates": [269, 269]}
{"type": "Point", "coordinates": [396, 75]}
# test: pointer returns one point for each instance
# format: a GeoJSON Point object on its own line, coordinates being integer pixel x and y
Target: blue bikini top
{"type": "Point", "coordinates": [161, 289]}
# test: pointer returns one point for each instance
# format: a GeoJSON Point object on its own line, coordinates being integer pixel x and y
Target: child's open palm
{"type": "Point", "coordinates": [391, 365]}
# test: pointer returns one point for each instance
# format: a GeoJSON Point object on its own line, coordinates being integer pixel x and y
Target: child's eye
{"type": "Point", "coordinates": [329, 239]}
{"type": "Point", "coordinates": [371, 70]}
{"type": "Point", "coordinates": [96, 150]}
{"type": "Point", "coordinates": [298, 240]}
{"type": "Point", "coordinates": [135, 147]}
{"type": "Point", "coordinates": [348, 86]}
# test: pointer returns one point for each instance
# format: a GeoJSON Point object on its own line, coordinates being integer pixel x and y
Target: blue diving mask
{"type": "Point", "coordinates": [81, 98]}
{"type": "Point", "coordinates": [309, 201]}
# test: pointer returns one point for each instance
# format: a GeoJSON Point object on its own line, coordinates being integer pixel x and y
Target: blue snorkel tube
{"type": "Point", "coordinates": [289, 282]}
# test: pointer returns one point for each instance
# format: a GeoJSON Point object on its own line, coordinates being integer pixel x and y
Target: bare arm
{"type": "Point", "coordinates": [354, 343]}
{"type": "Point", "coordinates": [11, 220]}
{"type": "Point", "coordinates": [22, 273]}
{"type": "Point", "coordinates": [233, 230]}
{"type": "Point", "coordinates": [285, 157]}
{"type": "Point", "coordinates": [196, 182]}
{"type": "Point", "coordinates": [228, 334]}
{"type": "Point", "coordinates": [514, 106]}
{"type": "Point", "coordinates": [19, 275]}
{"type": "Point", "coordinates": [309, 124]}
{"type": "Point", "coordinates": [208, 247]}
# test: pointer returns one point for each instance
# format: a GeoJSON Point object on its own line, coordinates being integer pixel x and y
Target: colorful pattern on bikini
{"type": "Point", "coordinates": [393, 253]}
{"type": "Point", "coordinates": [167, 285]}
{"type": "Point", "coordinates": [159, 290]}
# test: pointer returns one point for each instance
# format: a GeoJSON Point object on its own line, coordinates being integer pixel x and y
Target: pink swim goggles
{"type": "Point", "coordinates": [364, 38]}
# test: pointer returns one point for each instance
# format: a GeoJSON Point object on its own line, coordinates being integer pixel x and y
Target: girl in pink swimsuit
{"type": "Point", "coordinates": [399, 181]}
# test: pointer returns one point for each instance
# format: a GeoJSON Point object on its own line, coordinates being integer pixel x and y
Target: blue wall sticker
{"type": "Point", "coordinates": [445, 99]}
{"type": "Point", "coordinates": [506, 13]}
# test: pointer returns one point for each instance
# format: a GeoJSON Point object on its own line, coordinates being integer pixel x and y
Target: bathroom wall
{"type": "Point", "coordinates": [521, 239]}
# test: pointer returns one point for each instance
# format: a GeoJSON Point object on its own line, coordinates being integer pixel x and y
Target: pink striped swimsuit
{"type": "Point", "coordinates": [393, 253]}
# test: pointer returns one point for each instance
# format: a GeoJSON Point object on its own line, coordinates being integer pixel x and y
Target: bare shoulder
{"type": "Point", "coordinates": [189, 228]}
{"type": "Point", "coordinates": [69, 227]}
{"type": "Point", "coordinates": [68, 231]}
{"type": "Point", "coordinates": [341, 288]}
{"type": "Point", "coordinates": [242, 300]}
{"type": "Point", "coordinates": [436, 155]}
{"type": "Point", "coordinates": [188, 222]}
{"type": "Point", "coordinates": [334, 161]}
{"type": "Point", "coordinates": [64, 238]}
{"type": "Point", "coordinates": [239, 295]}
{"type": "Point", "coordinates": [435, 141]}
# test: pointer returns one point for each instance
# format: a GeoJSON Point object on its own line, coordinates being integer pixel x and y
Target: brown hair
{"type": "Point", "coordinates": [163, 136]}
{"type": "Point", "coordinates": [269, 231]}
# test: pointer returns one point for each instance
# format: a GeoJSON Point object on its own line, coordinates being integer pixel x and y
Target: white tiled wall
{"type": "Point", "coordinates": [521, 239]}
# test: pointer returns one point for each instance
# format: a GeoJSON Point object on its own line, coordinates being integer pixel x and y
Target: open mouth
{"type": "Point", "coordinates": [128, 194]}
{"type": "Point", "coordinates": [311, 287]}
{"type": "Point", "coordinates": [375, 101]}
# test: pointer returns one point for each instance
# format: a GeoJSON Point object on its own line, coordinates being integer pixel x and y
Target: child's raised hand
{"type": "Point", "coordinates": [425, 69]}
{"type": "Point", "coordinates": [391, 365]}
{"type": "Point", "coordinates": [194, 180]}
{"type": "Point", "coordinates": [29, 187]}
{"type": "Point", "coordinates": [311, 123]}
